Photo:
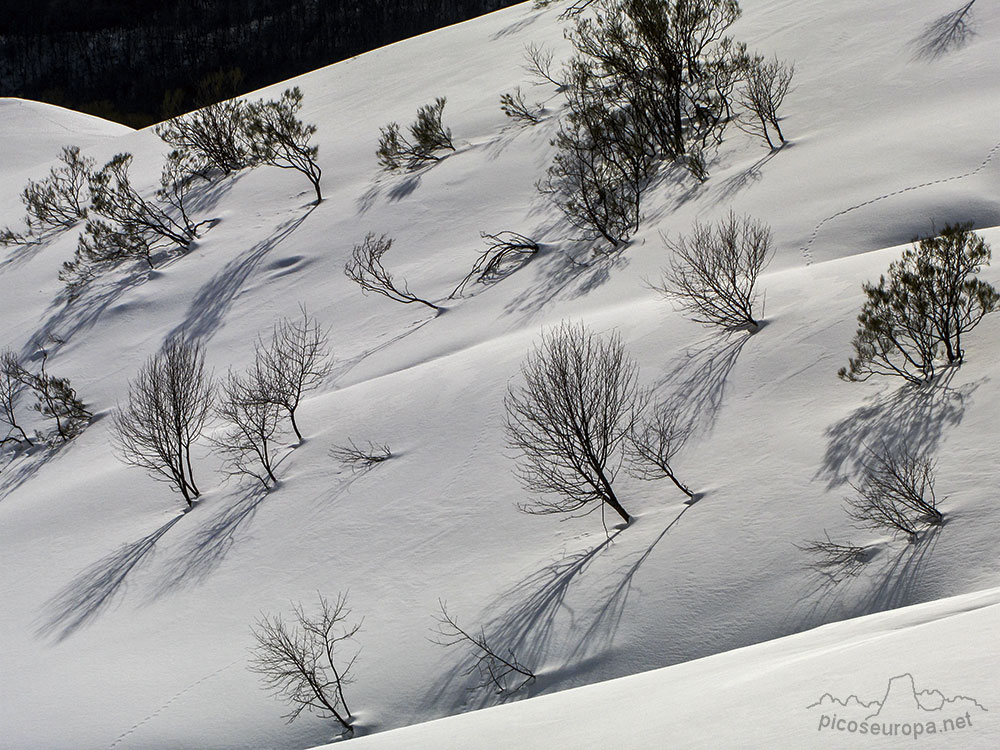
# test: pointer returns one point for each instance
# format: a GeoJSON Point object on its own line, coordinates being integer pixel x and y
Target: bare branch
{"type": "Point", "coordinates": [360, 458]}
{"type": "Point", "coordinates": [495, 666]}
{"type": "Point", "coordinates": [504, 254]}
{"type": "Point", "coordinates": [366, 270]}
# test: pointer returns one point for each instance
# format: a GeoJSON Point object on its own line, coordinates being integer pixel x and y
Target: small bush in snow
{"type": "Point", "coordinates": [360, 458]}
{"type": "Point", "coordinates": [569, 420]}
{"type": "Point", "coordinates": [55, 398]}
{"type": "Point", "coordinates": [12, 382]}
{"type": "Point", "coordinates": [300, 661]}
{"type": "Point", "coordinates": [211, 138]}
{"type": "Point", "coordinates": [653, 444]}
{"type": "Point", "coordinates": [427, 135]}
{"type": "Point", "coordinates": [913, 320]}
{"type": "Point", "coordinates": [713, 271]}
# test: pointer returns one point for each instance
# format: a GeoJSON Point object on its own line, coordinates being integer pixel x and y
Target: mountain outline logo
{"type": "Point", "coordinates": [902, 711]}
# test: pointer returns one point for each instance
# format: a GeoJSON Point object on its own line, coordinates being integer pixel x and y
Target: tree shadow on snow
{"type": "Point", "coordinates": [210, 304]}
{"type": "Point", "coordinates": [207, 547]}
{"type": "Point", "coordinates": [87, 595]}
{"type": "Point", "coordinates": [889, 580]}
{"type": "Point", "coordinates": [910, 417]}
{"type": "Point", "coordinates": [529, 626]}
{"type": "Point", "coordinates": [25, 462]}
{"type": "Point", "coordinates": [944, 34]}
{"type": "Point", "coordinates": [697, 382]}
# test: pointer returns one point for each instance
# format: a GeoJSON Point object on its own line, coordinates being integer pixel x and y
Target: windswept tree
{"type": "Point", "coordinates": [278, 138]}
{"type": "Point", "coordinates": [366, 270]}
{"type": "Point", "coordinates": [569, 420]}
{"type": "Point", "coordinates": [57, 202]}
{"type": "Point", "coordinates": [169, 401]}
{"type": "Point", "coordinates": [427, 136]}
{"type": "Point", "coordinates": [55, 397]}
{"type": "Point", "coordinates": [294, 362]}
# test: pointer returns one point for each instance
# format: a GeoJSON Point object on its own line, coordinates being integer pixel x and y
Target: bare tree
{"type": "Point", "coordinates": [427, 135]}
{"type": "Point", "coordinates": [568, 422]}
{"type": "Point", "coordinates": [764, 88]}
{"type": "Point", "coordinates": [252, 426]}
{"type": "Point", "coordinates": [12, 382]}
{"type": "Point", "coordinates": [713, 271]}
{"type": "Point", "coordinates": [298, 660]}
{"type": "Point", "coordinates": [360, 458]}
{"type": "Point", "coordinates": [366, 270]}
{"type": "Point", "coordinates": [280, 139]}
{"type": "Point", "coordinates": [835, 560]}
{"type": "Point", "coordinates": [169, 402]}
{"type": "Point", "coordinates": [294, 362]}
{"type": "Point", "coordinates": [538, 64]}
{"type": "Point", "coordinates": [653, 444]}
{"type": "Point", "coordinates": [505, 252]}
{"type": "Point", "coordinates": [494, 665]}
{"type": "Point", "coordinates": [895, 492]}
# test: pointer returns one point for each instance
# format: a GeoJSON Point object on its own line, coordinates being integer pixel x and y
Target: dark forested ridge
{"type": "Point", "coordinates": [138, 61]}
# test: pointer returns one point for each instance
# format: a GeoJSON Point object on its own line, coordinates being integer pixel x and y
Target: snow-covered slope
{"type": "Point", "coordinates": [925, 673]}
{"type": "Point", "coordinates": [126, 624]}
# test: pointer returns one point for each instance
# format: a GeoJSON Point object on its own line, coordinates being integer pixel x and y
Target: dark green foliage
{"type": "Point", "coordinates": [913, 320]}
{"type": "Point", "coordinates": [427, 135]}
{"type": "Point", "coordinates": [55, 203]}
{"type": "Point", "coordinates": [277, 137]}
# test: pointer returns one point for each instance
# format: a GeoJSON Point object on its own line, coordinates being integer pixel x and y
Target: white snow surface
{"type": "Point", "coordinates": [126, 623]}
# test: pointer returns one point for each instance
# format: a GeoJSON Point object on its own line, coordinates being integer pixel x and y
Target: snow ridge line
{"type": "Point", "coordinates": [807, 247]}
{"type": "Point", "coordinates": [173, 698]}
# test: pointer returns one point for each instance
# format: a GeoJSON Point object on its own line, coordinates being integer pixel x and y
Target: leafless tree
{"type": "Point", "coordinates": [360, 458]}
{"type": "Point", "coordinates": [505, 252]}
{"type": "Point", "coordinates": [57, 202]}
{"type": "Point", "coordinates": [713, 271]}
{"type": "Point", "coordinates": [427, 135]}
{"type": "Point", "coordinates": [278, 138]}
{"type": "Point", "coordinates": [12, 382]}
{"type": "Point", "coordinates": [294, 362]}
{"type": "Point", "coordinates": [568, 422]}
{"type": "Point", "coordinates": [366, 270]}
{"type": "Point", "coordinates": [298, 660]}
{"type": "Point", "coordinates": [495, 666]}
{"type": "Point", "coordinates": [895, 492]}
{"type": "Point", "coordinates": [764, 88]}
{"type": "Point", "coordinates": [538, 64]}
{"type": "Point", "coordinates": [169, 402]}
{"type": "Point", "coordinates": [251, 428]}
{"type": "Point", "coordinates": [653, 444]}
{"type": "Point", "coordinates": [835, 560]}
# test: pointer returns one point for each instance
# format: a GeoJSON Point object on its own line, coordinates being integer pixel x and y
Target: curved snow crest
{"type": "Point", "coordinates": [32, 132]}
{"type": "Point", "coordinates": [751, 697]}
